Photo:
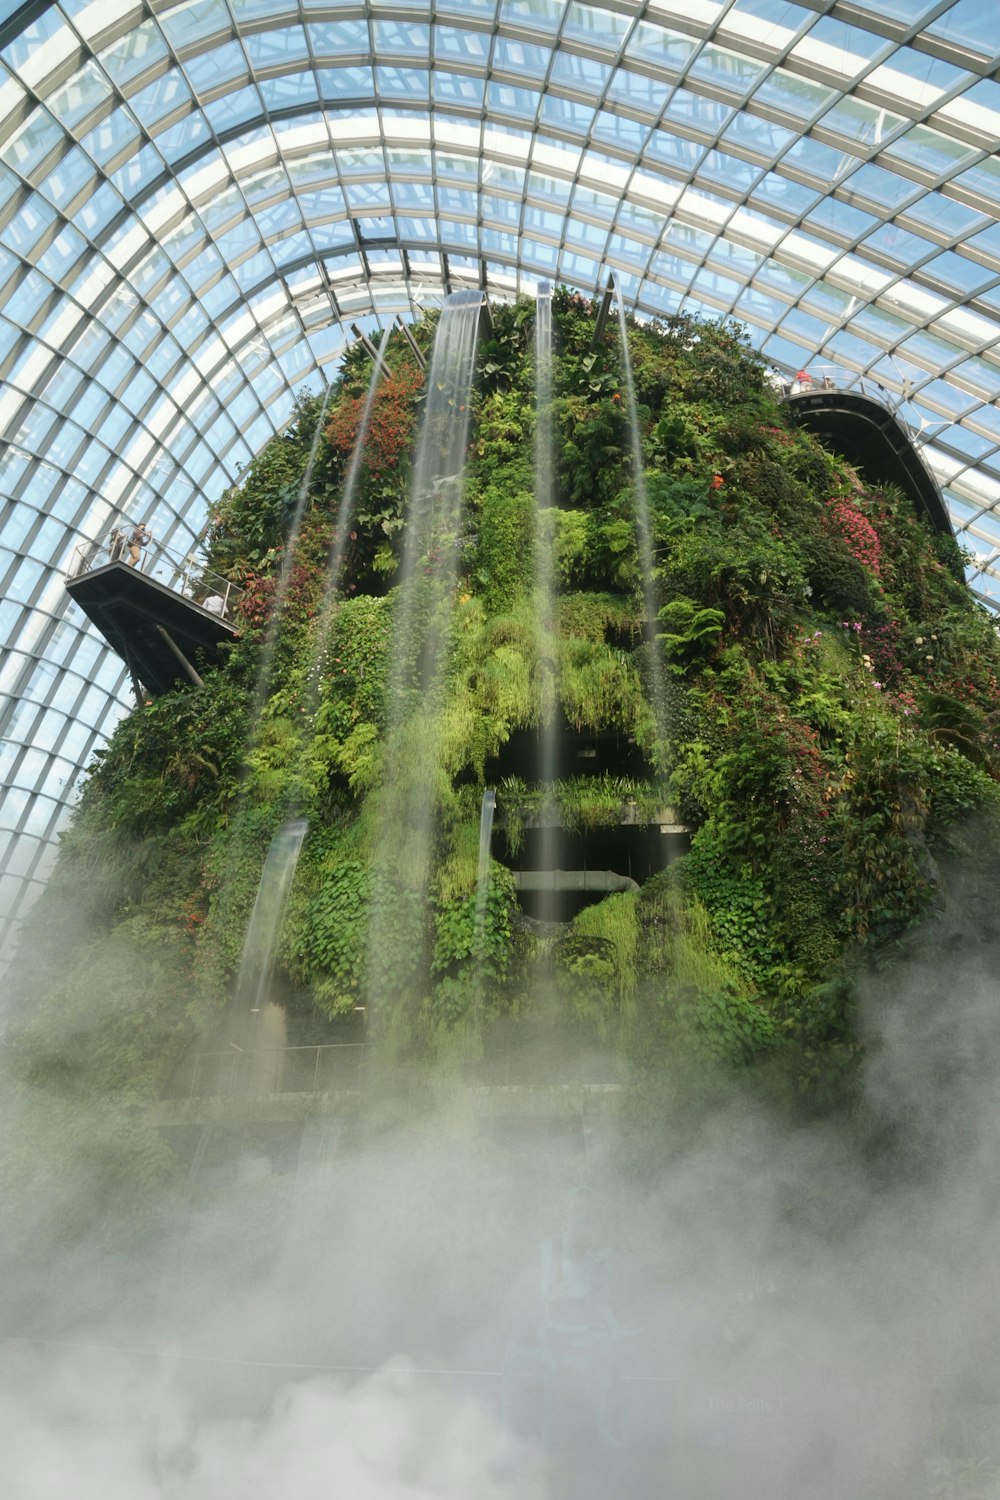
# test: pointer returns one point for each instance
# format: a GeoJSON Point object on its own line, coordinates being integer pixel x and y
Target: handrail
{"type": "Point", "coordinates": [270, 1070]}
{"type": "Point", "coordinates": [183, 574]}
{"type": "Point", "coordinates": [813, 379]}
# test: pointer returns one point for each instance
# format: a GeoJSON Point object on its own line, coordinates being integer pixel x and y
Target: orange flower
{"type": "Point", "coordinates": [717, 481]}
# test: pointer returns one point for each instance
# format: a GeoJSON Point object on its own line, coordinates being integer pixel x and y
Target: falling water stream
{"type": "Point", "coordinates": [338, 546]}
{"type": "Point", "coordinates": [255, 1024]}
{"type": "Point", "coordinates": [545, 600]}
{"type": "Point", "coordinates": [644, 535]}
{"type": "Point", "coordinates": [251, 999]}
{"type": "Point", "coordinates": [421, 626]}
{"type": "Point", "coordinates": [264, 670]}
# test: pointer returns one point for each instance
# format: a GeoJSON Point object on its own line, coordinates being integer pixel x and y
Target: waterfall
{"type": "Point", "coordinates": [251, 1068]}
{"type": "Point", "coordinates": [257, 961]}
{"type": "Point", "coordinates": [403, 842]}
{"type": "Point", "coordinates": [487, 810]}
{"type": "Point", "coordinates": [288, 557]}
{"type": "Point", "coordinates": [547, 642]}
{"type": "Point", "coordinates": [338, 546]}
{"type": "Point", "coordinates": [644, 536]}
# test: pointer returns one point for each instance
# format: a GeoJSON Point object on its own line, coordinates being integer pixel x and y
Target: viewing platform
{"type": "Point", "coordinates": [162, 614]}
{"type": "Point", "coordinates": [856, 417]}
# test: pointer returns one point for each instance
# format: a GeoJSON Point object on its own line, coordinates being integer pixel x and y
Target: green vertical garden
{"type": "Point", "coordinates": [832, 705]}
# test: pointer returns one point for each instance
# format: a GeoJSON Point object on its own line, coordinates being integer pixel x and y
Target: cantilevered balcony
{"type": "Point", "coordinates": [856, 417]}
{"type": "Point", "coordinates": [163, 614]}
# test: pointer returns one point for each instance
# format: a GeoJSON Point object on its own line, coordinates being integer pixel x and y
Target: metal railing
{"type": "Point", "coordinates": [328, 1067]}
{"type": "Point", "coordinates": [815, 378]}
{"type": "Point", "coordinates": [184, 575]}
{"type": "Point", "coordinates": [339, 1067]}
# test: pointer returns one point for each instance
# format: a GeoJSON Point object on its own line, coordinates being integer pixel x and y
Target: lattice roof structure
{"type": "Point", "coordinates": [198, 200]}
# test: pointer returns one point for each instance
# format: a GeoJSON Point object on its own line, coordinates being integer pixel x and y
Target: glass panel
{"type": "Point", "coordinates": [638, 92]}
{"type": "Point", "coordinates": [794, 95]}
{"type": "Point", "coordinates": [931, 151]}
{"type": "Point", "coordinates": [82, 93]}
{"type": "Point", "coordinates": [727, 70]}
{"type": "Point", "coordinates": [32, 142]}
{"type": "Point", "coordinates": [402, 36]}
{"type": "Point", "coordinates": [883, 188]}
{"type": "Point", "coordinates": [186, 24]}
{"type": "Point", "coordinates": [959, 273]}
{"type": "Point", "coordinates": [286, 45]}
{"type": "Point", "coordinates": [136, 51]}
{"type": "Point", "coordinates": [211, 69]}
{"type": "Point", "coordinates": [944, 214]}
{"type": "Point", "coordinates": [970, 24]}
{"type": "Point", "coordinates": [338, 38]}
{"type": "Point", "coordinates": [511, 56]}
{"type": "Point", "coordinates": [669, 50]}
{"type": "Point", "coordinates": [983, 179]}
{"type": "Point", "coordinates": [841, 218]}
{"type": "Point", "coordinates": [239, 107]}
{"type": "Point", "coordinates": [905, 249]}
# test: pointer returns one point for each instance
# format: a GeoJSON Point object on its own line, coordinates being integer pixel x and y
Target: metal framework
{"type": "Point", "coordinates": [198, 199]}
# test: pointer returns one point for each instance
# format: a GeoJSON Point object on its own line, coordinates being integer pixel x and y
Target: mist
{"type": "Point", "coordinates": [443, 1290]}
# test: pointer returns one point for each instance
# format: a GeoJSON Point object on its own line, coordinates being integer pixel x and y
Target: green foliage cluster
{"type": "Point", "coordinates": [834, 715]}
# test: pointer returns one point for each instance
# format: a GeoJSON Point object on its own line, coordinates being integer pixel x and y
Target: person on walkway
{"type": "Point", "coordinates": [139, 539]}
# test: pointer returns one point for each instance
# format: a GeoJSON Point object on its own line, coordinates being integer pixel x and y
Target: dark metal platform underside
{"type": "Point", "coordinates": [132, 612]}
{"type": "Point", "coordinates": [870, 437]}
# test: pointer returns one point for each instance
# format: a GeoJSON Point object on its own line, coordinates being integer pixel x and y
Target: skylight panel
{"type": "Point", "coordinates": [970, 24]}
{"type": "Point", "coordinates": [983, 179]}
{"type": "Point", "coordinates": [179, 140]}
{"type": "Point", "coordinates": [297, 90]}
{"type": "Point", "coordinates": [912, 12]}
{"type": "Point", "coordinates": [589, 23]}
{"type": "Point", "coordinates": [915, 78]}
{"type": "Point", "coordinates": [962, 276]}
{"type": "Point", "coordinates": [769, 23]}
{"type": "Point", "coordinates": [794, 95]}
{"type": "Point", "coordinates": [636, 91]}
{"type": "Point", "coordinates": [486, 9]}
{"type": "Point", "coordinates": [584, 74]}
{"type": "Point", "coordinates": [566, 114]}
{"type": "Point", "coordinates": [726, 69]}
{"type": "Point", "coordinates": [618, 130]}
{"type": "Point", "coordinates": [277, 47]}
{"type": "Point", "coordinates": [32, 142]}
{"type": "Point", "coordinates": [195, 21]}
{"type": "Point", "coordinates": [936, 154]}
{"type": "Point", "coordinates": [405, 37]}
{"type": "Point", "coordinates": [345, 83]}
{"type": "Point", "coordinates": [830, 214]}
{"type": "Point", "coordinates": [338, 39]}
{"type": "Point", "coordinates": [536, 15]}
{"type": "Point", "coordinates": [664, 48]}
{"type": "Point", "coordinates": [210, 70]}
{"type": "Point", "coordinates": [79, 95]}
{"type": "Point", "coordinates": [141, 48]}
{"type": "Point", "coordinates": [40, 48]}
{"type": "Point", "coordinates": [511, 56]}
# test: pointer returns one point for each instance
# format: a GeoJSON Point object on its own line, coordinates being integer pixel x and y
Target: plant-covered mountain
{"type": "Point", "coordinates": [830, 705]}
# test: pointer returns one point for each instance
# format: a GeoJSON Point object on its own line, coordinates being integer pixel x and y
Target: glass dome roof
{"type": "Point", "coordinates": [198, 200]}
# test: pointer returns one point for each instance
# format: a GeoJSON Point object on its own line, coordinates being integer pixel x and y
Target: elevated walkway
{"type": "Point", "coordinates": [153, 614]}
{"type": "Point", "coordinates": [855, 418]}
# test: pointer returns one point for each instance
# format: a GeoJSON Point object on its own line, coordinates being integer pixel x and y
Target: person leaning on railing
{"type": "Point", "coordinates": [140, 538]}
